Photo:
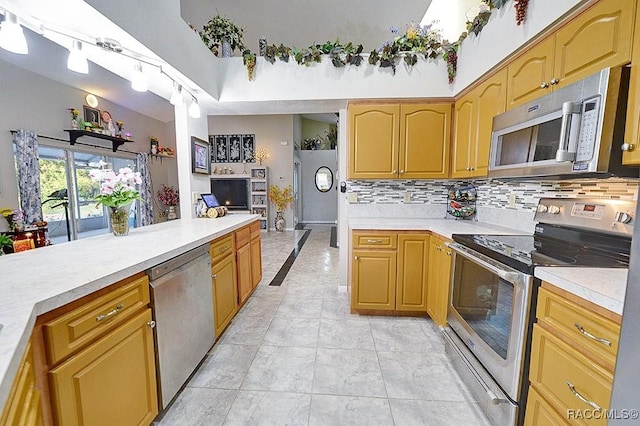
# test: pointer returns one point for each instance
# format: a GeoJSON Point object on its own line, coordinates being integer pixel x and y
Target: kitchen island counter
{"type": "Point", "coordinates": [38, 281]}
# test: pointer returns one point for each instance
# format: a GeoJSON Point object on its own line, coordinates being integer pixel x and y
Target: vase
{"type": "Point", "coordinates": [172, 213]}
{"type": "Point", "coordinates": [226, 49]}
{"type": "Point", "coordinates": [74, 123]}
{"type": "Point", "coordinates": [279, 221]}
{"type": "Point", "coordinates": [119, 218]}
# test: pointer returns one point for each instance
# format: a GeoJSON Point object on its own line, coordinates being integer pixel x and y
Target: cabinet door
{"type": "Point", "coordinates": [243, 263]}
{"type": "Point", "coordinates": [632, 129]}
{"type": "Point", "coordinates": [373, 279]}
{"type": "Point", "coordinates": [435, 249]}
{"type": "Point", "coordinates": [600, 37]}
{"type": "Point", "coordinates": [373, 141]}
{"type": "Point", "coordinates": [463, 137]}
{"type": "Point", "coordinates": [256, 261]}
{"type": "Point", "coordinates": [111, 382]}
{"type": "Point", "coordinates": [424, 141]}
{"type": "Point", "coordinates": [413, 264]}
{"type": "Point", "coordinates": [489, 101]}
{"type": "Point", "coordinates": [225, 293]}
{"type": "Point", "coordinates": [529, 72]}
{"type": "Point", "coordinates": [23, 407]}
{"type": "Point", "coordinates": [540, 413]}
{"type": "Point", "coordinates": [444, 284]}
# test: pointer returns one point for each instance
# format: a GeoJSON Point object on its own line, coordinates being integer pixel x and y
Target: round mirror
{"type": "Point", "coordinates": [324, 179]}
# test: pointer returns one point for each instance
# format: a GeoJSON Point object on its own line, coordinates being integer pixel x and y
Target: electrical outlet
{"type": "Point", "coordinates": [194, 197]}
{"type": "Point", "coordinates": [407, 197]}
{"type": "Point", "coordinates": [352, 197]}
{"type": "Point", "coordinates": [512, 200]}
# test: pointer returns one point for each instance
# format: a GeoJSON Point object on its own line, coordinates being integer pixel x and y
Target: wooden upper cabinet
{"type": "Point", "coordinates": [373, 141]}
{"type": "Point", "coordinates": [424, 141]}
{"type": "Point", "coordinates": [600, 37]}
{"type": "Point", "coordinates": [632, 130]}
{"type": "Point", "coordinates": [463, 136]}
{"type": "Point", "coordinates": [490, 101]}
{"type": "Point", "coordinates": [528, 76]}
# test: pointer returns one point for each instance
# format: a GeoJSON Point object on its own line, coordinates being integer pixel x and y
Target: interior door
{"type": "Point", "coordinates": [297, 199]}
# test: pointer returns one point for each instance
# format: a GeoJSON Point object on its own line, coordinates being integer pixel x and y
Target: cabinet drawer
{"type": "Point", "coordinates": [243, 236]}
{"type": "Point", "coordinates": [589, 330]}
{"type": "Point", "coordinates": [556, 367]}
{"type": "Point", "coordinates": [370, 240]}
{"type": "Point", "coordinates": [74, 330]}
{"type": "Point", "coordinates": [255, 229]}
{"type": "Point", "coordinates": [540, 413]}
{"type": "Point", "coordinates": [221, 248]}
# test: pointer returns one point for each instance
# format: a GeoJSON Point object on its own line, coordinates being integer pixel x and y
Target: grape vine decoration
{"type": "Point", "coordinates": [521, 10]}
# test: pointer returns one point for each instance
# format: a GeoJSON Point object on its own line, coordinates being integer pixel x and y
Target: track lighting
{"type": "Point", "coordinates": [77, 60]}
{"type": "Point", "coordinates": [12, 36]}
{"type": "Point", "coordinates": [194, 109]}
{"type": "Point", "coordinates": [138, 79]}
{"type": "Point", "coordinates": [176, 95]}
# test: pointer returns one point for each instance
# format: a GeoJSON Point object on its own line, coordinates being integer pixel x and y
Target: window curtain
{"type": "Point", "coordinates": [146, 207]}
{"type": "Point", "coordinates": [26, 144]}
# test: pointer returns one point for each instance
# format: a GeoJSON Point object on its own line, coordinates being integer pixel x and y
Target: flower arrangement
{"type": "Point", "coordinates": [74, 113]}
{"type": "Point", "coordinates": [261, 154]}
{"type": "Point", "coordinates": [120, 125]}
{"type": "Point", "coordinates": [219, 28]}
{"type": "Point", "coordinates": [13, 217]}
{"type": "Point", "coordinates": [168, 195]}
{"type": "Point", "coordinates": [116, 189]}
{"type": "Point", "coordinates": [5, 241]}
{"type": "Point", "coordinates": [279, 197]}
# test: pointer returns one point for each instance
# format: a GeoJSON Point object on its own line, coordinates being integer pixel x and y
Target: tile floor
{"type": "Point", "coordinates": [294, 355]}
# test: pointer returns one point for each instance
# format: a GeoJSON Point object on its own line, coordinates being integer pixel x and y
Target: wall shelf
{"type": "Point", "coordinates": [116, 141]}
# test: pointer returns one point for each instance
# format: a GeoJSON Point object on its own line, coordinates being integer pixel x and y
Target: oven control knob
{"type": "Point", "coordinates": [542, 208]}
{"type": "Point", "coordinates": [623, 217]}
{"type": "Point", "coordinates": [554, 209]}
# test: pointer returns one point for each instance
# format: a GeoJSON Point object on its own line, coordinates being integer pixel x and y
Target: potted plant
{"type": "Point", "coordinates": [170, 197]}
{"type": "Point", "coordinates": [5, 241]}
{"type": "Point", "coordinates": [219, 31]}
{"type": "Point", "coordinates": [280, 198]}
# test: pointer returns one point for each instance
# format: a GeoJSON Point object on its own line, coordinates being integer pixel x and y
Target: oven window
{"type": "Point", "coordinates": [485, 302]}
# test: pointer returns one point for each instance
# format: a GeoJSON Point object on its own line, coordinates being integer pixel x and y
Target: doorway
{"type": "Point", "coordinates": [297, 199]}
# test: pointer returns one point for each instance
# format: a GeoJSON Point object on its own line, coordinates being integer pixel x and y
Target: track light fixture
{"type": "Point", "coordinates": [176, 95]}
{"type": "Point", "coordinates": [194, 108]}
{"type": "Point", "coordinates": [12, 35]}
{"type": "Point", "coordinates": [77, 60]}
{"type": "Point", "coordinates": [138, 79]}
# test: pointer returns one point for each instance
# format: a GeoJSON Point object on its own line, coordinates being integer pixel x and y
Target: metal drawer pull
{"type": "Point", "coordinates": [582, 398]}
{"type": "Point", "coordinates": [225, 248]}
{"type": "Point", "coordinates": [214, 276]}
{"type": "Point", "coordinates": [109, 314]}
{"type": "Point", "coordinates": [591, 336]}
{"type": "Point", "coordinates": [374, 241]}
{"type": "Point", "coordinates": [151, 324]}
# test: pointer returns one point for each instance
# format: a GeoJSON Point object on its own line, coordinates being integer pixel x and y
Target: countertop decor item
{"type": "Point", "coordinates": [117, 193]}
{"type": "Point", "coordinates": [220, 29]}
{"type": "Point", "coordinates": [170, 197]}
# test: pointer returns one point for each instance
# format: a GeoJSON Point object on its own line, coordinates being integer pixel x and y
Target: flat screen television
{"type": "Point", "coordinates": [231, 193]}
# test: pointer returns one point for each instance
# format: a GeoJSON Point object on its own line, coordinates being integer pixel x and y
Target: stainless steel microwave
{"type": "Point", "coordinates": [575, 131]}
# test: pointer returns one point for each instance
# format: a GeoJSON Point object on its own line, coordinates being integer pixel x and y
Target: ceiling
{"type": "Point", "coordinates": [302, 23]}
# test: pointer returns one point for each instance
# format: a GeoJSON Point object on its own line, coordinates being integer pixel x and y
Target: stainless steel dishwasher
{"type": "Point", "coordinates": [182, 300]}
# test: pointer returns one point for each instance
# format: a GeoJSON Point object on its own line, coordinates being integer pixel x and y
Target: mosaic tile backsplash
{"type": "Point", "coordinates": [492, 193]}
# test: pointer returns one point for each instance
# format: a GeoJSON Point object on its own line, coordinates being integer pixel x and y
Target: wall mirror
{"type": "Point", "coordinates": [324, 179]}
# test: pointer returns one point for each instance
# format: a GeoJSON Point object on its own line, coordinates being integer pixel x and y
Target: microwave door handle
{"type": "Point", "coordinates": [569, 131]}
{"type": "Point", "coordinates": [508, 276]}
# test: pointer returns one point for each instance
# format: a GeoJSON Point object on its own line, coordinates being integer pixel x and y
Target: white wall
{"type": "Point", "coordinates": [270, 131]}
{"type": "Point", "coordinates": [32, 102]}
{"type": "Point", "coordinates": [318, 207]}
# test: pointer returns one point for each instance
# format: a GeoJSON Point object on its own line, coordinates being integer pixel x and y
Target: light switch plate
{"type": "Point", "coordinates": [352, 197]}
{"type": "Point", "coordinates": [194, 197]}
{"type": "Point", "coordinates": [407, 197]}
{"type": "Point", "coordinates": [512, 200]}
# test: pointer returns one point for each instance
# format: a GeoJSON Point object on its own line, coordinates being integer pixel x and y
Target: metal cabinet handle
{"type": "Point", "coordinates": [448, 253]}
{"type": "Point", "coordinates": [401, 171]}
{"type": "Point", "coordinates": [356, 257]}
{"type": "Point", "coordinates": [151, 324]}
{"type": "Point", "coordinates": [554, 81]}
{"type": "Point", "coordinates": [111, 313]}
{"type": "Point", "coordinates": [544, 85]}
{"type": "Point", "coordinates": [438, 248]}
{"type": "Point", "coordinates": [374, 241]}
{"type": "Point", "coordinates": [394, 172]}
{"type": "Point", "coordinates": [582, 398]}
{"type": "Point", "coordinates": [225, 248]}
{"type": "Point", "coordinates": [627, 147]}
{"type": "Point", "coordinates": [214, 276]}
{"type": "Point", "coordinates": [591, 336]}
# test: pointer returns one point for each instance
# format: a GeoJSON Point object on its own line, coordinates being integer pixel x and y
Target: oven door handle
{"type": "Point", "coordinates": [506, 275]}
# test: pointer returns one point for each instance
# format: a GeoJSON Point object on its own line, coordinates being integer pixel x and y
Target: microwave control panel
{"type": "Point", "coordinates": [588, 130]}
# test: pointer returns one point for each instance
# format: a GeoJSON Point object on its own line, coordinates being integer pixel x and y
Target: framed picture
{"type": "Point", "coordinates": [235, 151]}
{"type": "Point", "coordinates": [248, 145]}
{"type": "Point", "coordinates": [200, 156]}
{"type": "Point", "coordinates": [91, 115]}
{"type": "Point", "coordinates": [220, 149]}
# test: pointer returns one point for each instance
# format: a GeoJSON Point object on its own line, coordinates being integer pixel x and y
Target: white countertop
{"type": "Point", "coordinates": [605, 287]}
{"type": "Point", "coordinates": [443, 227]}
{"type": "Point", "coordinates": [38, 281]}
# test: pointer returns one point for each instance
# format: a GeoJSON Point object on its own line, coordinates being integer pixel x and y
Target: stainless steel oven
{"type": "Point", "coordinates": [493, 292]}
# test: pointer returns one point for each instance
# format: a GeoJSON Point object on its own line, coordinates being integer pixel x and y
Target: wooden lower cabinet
{"type": "Point", "coordinates": [110, 382]}
{"type": "Point", "coordinates": [413, 262]}
{"type": "Point", "coordinates": [225, 292]}
{"type": "Point", "coordinates": [243, 263]}
{"type": "Point", "coordinates": [439, 280]}
{"type": "Point", "coordinates": [541, 413]}
{"type": "Point", "coordinates": [374, 280]}
{"type": "Point", "coordinates": [24, 406]}
{"type": "Point", "coordinates": [256, 261]}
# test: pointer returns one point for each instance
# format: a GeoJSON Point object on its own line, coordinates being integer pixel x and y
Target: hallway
{"type": "Point", "coordinates": [294, 355]}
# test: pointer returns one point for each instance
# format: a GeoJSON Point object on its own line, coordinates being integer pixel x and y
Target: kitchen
{"type": "Point", "coordinates": [496, 208]}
